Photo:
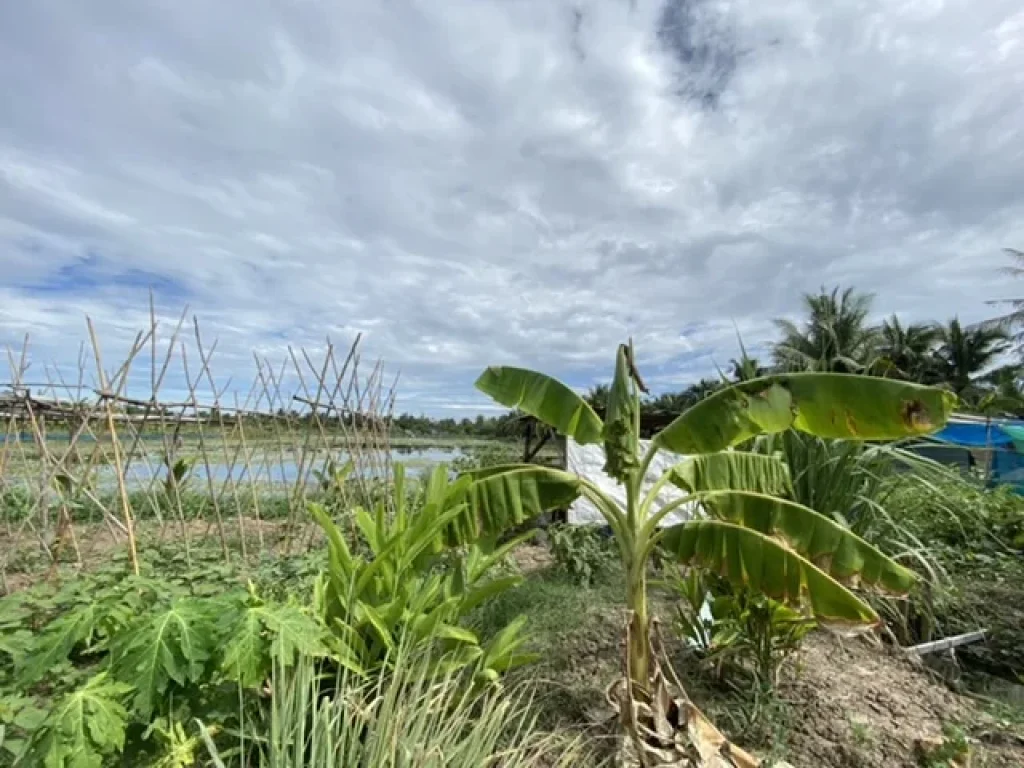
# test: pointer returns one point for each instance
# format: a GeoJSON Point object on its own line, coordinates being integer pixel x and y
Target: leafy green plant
{"type": "Point", "coordinates": [749, 534]}
{"type": "Point", "coordinates": [142, 649]}
{"type": "Point", "coordinates": [736, 628]}
{"type": "Point", "coordinates": [413, 585]}
{"type": "Point", "coordinates": [582, 552]}
{"type": "Point", "coordinates": [953, 751]}
{"type": "Point", "coordinates": [86, 726]}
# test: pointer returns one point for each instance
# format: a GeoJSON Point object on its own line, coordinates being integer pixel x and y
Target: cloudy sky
{"type": "Point", "coordinates": [503, 181]}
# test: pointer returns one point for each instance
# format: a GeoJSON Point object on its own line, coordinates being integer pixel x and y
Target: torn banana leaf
{"type": "Point", "coordinates": [828, 545]}
{"type": "Point", "coordinates": [750, 558]}
{"type": "Point", "coordinates": [732, 470]}
{"type": "Point", "coordinates": [545, 398]}
{"type": "Point", "coordinates": [500, 498]}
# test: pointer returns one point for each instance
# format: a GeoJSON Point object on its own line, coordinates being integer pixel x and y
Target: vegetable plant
{"type": "Point", "coordinates": [413, 585]}
{"type": "Point", "coordinates": [746, 531]}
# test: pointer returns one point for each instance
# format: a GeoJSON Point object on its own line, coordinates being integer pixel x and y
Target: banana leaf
{"type": "Point", "coordinates": [502, 498]}
{"type": "Point", "coordinates": [828, 545]}
{"type": "Point", "coordinates": [545, 398]}
{"type": "Point", "coordinates": [747, 557]}
{"type": "Point", "coordinates": [732, 470]}
{"type": "Point", "coordinates": [824, 404]}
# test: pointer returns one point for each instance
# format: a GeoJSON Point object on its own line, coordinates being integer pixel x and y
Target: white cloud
{"type": "Point", "coordinates": [478, 182]}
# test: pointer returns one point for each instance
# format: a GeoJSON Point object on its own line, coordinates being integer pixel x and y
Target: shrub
{"type": "Point", "coordinates": [736, 629]}
{"type": "Point", "coordinates": [584, 553]}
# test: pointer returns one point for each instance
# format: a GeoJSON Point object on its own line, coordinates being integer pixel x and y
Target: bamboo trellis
{"type": "Point", "coordinates": [90, 465]}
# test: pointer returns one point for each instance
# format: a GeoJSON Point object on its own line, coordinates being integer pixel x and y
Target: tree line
{"type": "Point", "coordinates": [981, 363]}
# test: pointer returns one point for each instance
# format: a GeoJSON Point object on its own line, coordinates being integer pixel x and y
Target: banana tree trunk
{"type": "Point", "coordinates": [639, 650]}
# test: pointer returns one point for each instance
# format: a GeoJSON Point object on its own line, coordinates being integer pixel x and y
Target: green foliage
{"type": "Point", "coordinates": [958, 514]}
{"type": "Point", "coordinates": [490, 455]}
{"type": "Point", "coordinates": [755, 633]}
{"type": "Point", "coordinates": [835, 336]}
{"type": "Point", "coordinates": [109, 650]}
{"type": "Point", "coordinates": [971, 535]}
{"type": "Point", "coordinates": [582, 552]}
{"type": "Point", "coordinates": [952, 752]}
{"type": "Point", "coordinates": [412, 584]}
{"type": "Point", "coordinates": [173, 645]}
{"type": "Point", "coordinates": [413, 717]}
{"type": "Point", "coordinates": [83, 728]}
{"type": "Point", "coordinates": [780, 548]}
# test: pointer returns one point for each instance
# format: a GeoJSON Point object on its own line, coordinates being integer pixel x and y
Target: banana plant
{"type": "Point", "coordinates": [748, 531]}
{"type": "Point", "coordinates": [174, 480]}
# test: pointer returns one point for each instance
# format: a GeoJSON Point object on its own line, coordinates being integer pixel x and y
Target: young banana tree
{"type": "Point", "coordinates": [748, 532]}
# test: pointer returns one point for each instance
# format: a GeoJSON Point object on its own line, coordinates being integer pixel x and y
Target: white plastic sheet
{"type": "Point", "coordinates": [587, 461]}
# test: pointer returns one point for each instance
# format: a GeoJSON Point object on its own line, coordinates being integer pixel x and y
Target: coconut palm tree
{"type": "Point", "coordinates": [1014, 319]}
{"type": "Point", "coordinates": [597, 396]}
{"type": "Point", "coordinates": [906, 351]}
{"type": "Point", "coordinates": [835, 337]}
{"type": "Point", "coordinates": [966, 352]}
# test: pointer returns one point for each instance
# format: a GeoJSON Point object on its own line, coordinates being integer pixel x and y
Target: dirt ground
{"type": "Point", "coordinates": [855, 705]}
{"type": "Point", "coordinates": [847, 703]}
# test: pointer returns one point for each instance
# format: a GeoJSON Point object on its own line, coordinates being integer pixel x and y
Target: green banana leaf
{"type": "Point", "coordinates": [546, 398]}
{"type": "Point", "coordinates": [502, 498]}
{"type": "Point", "coordinates": [825, 404]}
{"type": "Point", "coordinates": [748, 557]}
{"type": "Point", "coordinates": [620, 420]}
{"type": "Point", "coordinates": [732, 470]}
{"type": "Point", "coordinates": [828, 545]}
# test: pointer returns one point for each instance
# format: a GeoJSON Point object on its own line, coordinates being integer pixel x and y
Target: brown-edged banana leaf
{"type": "Point", "coordinates": [545, 398]}
{"type": "Point", "coordinates": [732, 470]}
{"type": "Point", "coordinates": [828, 545]}
{"type": "Point", "coordinates": [499, 500]}
{"type": "Point", "coordinates": [825, 404]}
{"type": "Point", "coordinates": [748, 557]}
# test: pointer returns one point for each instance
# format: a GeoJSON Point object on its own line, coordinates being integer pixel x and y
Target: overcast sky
{"type": "Point", "coordinates": [514, 181]}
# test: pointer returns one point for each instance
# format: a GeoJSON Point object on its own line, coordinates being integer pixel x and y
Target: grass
{"type": "Point", "coordinates": [412, 718]}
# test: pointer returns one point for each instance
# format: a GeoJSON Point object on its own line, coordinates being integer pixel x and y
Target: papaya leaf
{"type": "Point", "coordinates": [84, 728]}
{"type": "Point", "coordinates": [246, 654]}
{"type": "Point", "coordinates": [824, 404]}
{"type": "Point", "coordinates": [747, 557]}
{"type": "Point", "coordinates": [57, 642]}
{"type": "Point", "coordinates": [172, 645]}
{"type": "Point", "coordinates": [545, 398]}
{"type": "Point", "coordinates": [268, 631]}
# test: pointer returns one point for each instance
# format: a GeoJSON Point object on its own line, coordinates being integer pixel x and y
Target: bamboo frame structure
{"type": "Point", "coordinates": [91, 465]}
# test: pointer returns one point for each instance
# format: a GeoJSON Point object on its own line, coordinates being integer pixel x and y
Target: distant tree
{"type": "Point", "coordinates": [597, 396]}
{"type": "Point", "coordinates": [966, 352]}
{"type": "Point", "coordinates": [906, 352]}
{"type": "Point", "coordinates": [1013, 321]}
{"type": "Point", "coordinates": [834, 337]}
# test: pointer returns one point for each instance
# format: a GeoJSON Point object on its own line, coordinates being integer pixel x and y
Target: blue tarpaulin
{"type": "Point", "coordinates": [974, 435]}
{"type": "Point", "coordinates": [1007, 461]}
